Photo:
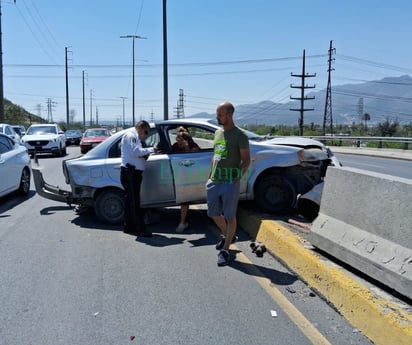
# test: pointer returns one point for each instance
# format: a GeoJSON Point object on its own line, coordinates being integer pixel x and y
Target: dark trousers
{"type": "Point", "coordinates": [131, 180]}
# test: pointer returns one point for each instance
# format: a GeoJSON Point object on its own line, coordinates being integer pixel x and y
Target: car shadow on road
{"type": "Point", "coordinates": [11, 200]}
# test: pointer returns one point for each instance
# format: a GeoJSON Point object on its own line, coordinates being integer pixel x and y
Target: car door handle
{"type": "Point", "coordinates": [186, 163]}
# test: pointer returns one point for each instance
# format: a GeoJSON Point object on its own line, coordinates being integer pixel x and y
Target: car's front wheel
{"type": "Point", "coordinates": [109, 206]}
{"type": "Point", "coordinates": [24, 186]}
{"type": "Point", "coordinates": [275, 194]}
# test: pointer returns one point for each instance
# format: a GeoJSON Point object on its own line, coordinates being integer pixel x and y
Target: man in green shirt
{"type": "Point", "coordinates": [230, 162]}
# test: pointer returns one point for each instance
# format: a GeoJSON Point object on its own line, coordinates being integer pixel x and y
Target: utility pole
{"type": "Point", "coordinates": [123, 122]}
{"type": "Point", "coordinates": [133, 91]}
{"type": "Point", "coordinates": [2, 117]}
{"type": "Point", "coordinates": [302, 97]}
{"type": "Point", "coordinates": [327, 116]}
{"type": "Point", "coordinates": [91, 107]}
{"type": "Point", "coordinates": [67, 90]}
{"type": "Point", "coordinates": [165, 77]}
{"type": "Point", "coordinates": [84, 104]}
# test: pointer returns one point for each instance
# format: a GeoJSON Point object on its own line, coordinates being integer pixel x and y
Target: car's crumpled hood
{"type": "Point", "coordinates": [293, 141]}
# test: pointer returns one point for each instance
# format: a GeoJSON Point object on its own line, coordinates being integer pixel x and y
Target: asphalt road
{"type": "Point", "coordinates": [382, 165]}
{"type": "Point", "coordinates": [67, 279]}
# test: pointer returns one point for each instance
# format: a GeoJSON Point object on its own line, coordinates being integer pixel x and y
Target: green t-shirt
{"type": "Point", "coordinates": [226, 159]}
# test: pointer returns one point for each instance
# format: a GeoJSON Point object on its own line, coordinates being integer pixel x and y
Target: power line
{"type": "Point", "coordinates": [34, 35]}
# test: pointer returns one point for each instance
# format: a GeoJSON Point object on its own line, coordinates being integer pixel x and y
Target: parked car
{"type": "Point", "coordinates": [20, 130]}
{"type": "Point", "coordinates": [15, 167]}
{"type": "Point", "coordinates": [93, 137]}
{"type": "Point", "coordinates": [277, 175]}
{"type": "Point", "coordinates": [9, 130]}
{"type": "Point", "coordinates": [45, 138]}
{"type": "Point", "coordinates": [73, 137]}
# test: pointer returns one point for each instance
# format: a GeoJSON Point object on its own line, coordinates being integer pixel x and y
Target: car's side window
{"type": "Point", "coordinates": [151, 140]}
{"type": "Point", "coordinates": [201, 136]}
{"type": "Point", "coordinates": [116, 151]}
{"type": "Point", "coordinates": [5, 145]}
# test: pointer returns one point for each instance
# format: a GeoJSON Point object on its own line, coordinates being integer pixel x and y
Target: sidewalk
{"type": "Point", "coordinates": [379, 316]}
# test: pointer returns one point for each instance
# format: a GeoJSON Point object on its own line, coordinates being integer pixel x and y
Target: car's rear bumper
{"type": "Point", "coordinates": [48, 191]}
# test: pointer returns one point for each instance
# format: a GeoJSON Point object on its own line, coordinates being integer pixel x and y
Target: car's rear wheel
{"type": "Point", "coordinates": [109, 206]}
{"type": "Point", "coordinates": [275, 194]}
{"type": "Point", "coordinates": [24, 186]}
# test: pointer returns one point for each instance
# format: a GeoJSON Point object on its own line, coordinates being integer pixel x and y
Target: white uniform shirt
{"type": "Point", "coordinates": [132, 150]}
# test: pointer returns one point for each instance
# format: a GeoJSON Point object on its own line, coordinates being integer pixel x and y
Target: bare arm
{"type": "Point", "coordinates": [245, 157]}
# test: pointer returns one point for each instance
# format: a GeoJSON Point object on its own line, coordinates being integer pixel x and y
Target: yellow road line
{"type": "Point", "coordinates": [294, 314]}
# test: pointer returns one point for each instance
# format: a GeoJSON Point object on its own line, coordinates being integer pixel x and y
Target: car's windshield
{"type": "Point", "coordinates": [41, 130]}
{"type": "Point", "coordinates": [73, 132]}
{"type": "Point", "coordinates": [95, 133]}
{"type": "Point", "coordinates": [17, 130]}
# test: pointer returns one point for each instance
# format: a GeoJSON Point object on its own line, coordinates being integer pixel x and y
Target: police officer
{"type": "Point", "coordinates": [134, 157]}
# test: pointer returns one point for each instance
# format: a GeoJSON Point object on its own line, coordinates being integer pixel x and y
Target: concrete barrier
{"type": "Point", "coordinates": [365, 220]}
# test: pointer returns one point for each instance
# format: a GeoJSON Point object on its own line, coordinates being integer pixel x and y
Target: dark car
{"type": "Point", "coordinates": [73, 137]}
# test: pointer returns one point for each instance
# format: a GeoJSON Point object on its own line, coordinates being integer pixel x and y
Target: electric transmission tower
{"type": "Point", "coordinates": [180, 110]}
{"type": "Point", "coordinates": [302, 97]}
{"type": "Point", "coordinates": [50, 106]}
{"type": "Point", "coordinates": [327, 116]}
{"type": "Point", "coordinates": [360, 109]}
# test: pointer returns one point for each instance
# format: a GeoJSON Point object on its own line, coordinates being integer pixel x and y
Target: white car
{"type": "Point", "coordinates": [15, 167]}
{"type": "Point", "coordinates": [9, 130]}
{"type": "Point", "coordinates": [277, 174]}
{"type": "Point", "coordinates": [45, 138]}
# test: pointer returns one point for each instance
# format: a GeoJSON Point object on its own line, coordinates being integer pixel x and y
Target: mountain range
{"type": "Point", "coordinates": [386, 99]}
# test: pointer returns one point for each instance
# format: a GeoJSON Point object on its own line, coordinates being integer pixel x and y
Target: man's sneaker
{"type": "Point", "coordinates": [181, 227]}
{"type": "Point", "coordinates": [223, 258]}
{"type": "Point", "coordinates": [221, 243]}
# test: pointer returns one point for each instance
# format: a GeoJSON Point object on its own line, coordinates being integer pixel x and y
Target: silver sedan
{"type": "Point", "coordinates": [278, 174]}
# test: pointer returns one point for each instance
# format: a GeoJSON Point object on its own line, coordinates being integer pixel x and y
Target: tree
{"type": "Point", "coordinates": [387, 128]}
{"type": "Point", "coordinates": [366, 117]}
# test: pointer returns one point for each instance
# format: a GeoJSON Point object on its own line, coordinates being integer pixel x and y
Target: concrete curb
{"type": "Point", "coordinates": [382, 321]}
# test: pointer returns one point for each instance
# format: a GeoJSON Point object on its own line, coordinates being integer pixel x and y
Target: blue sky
{"type": "Point", "coordinates": [218, 50]}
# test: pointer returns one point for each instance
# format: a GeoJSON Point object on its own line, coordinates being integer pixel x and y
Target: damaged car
{"type": "Point", "coordinates": [277, 176]}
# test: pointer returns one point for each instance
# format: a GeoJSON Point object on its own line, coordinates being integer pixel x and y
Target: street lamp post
{"type": "Point", "coordinates": [123, 124]}
{"type": "Point", "coordinates": [133, 91]}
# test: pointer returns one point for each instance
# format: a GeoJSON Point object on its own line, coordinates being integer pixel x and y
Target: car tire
{"type": "Point", "coordinates": [275, 194]}
{"type": "Point", "coordinates": [109, 206]}
{"type": "Point", "coordinates": [24, 186]}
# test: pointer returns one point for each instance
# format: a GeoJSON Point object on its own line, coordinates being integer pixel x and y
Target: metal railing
{"type": "Point", "coordinates": [402, 143]}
